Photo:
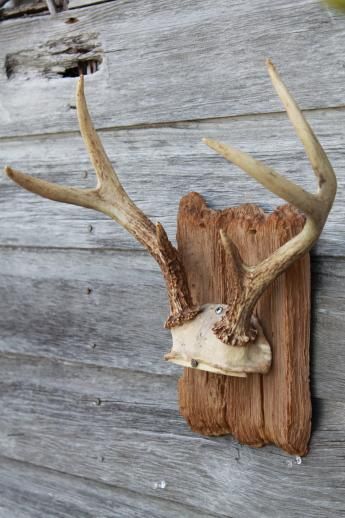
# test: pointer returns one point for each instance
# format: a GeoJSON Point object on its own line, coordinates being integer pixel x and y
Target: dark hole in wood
{"type": "Point", "coordinates": [8, 67]}
{"type": "Point", "coordinates": [64, 57]}
{"type": "Point", "coordinates": [82, 67]}
{"type": "Point", "coordinates": [72, 19]}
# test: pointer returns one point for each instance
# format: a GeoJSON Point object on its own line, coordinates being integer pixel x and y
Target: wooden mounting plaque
{"type": "Point", "coordinates": [260, 409]}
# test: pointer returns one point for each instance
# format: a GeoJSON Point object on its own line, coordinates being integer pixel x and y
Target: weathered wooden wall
{"type": "Point", "coordinates": [89, 424]}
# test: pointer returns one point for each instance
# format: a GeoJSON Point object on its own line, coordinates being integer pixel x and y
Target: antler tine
{"type": "Point", "coordinates": [265, 175]}
{"type": "Point", "coordinates": [110, 198]}
{"type": "Point", "coordinates": [105, 173]}
{"type": "Point", "coordinates": [276, 183]}
{"type": "Point", "coordinates": [81, 197]}
{"type": "Point", "coordinates": [319, 161]}
{"type": "Point", "coordinates": [115, 202]}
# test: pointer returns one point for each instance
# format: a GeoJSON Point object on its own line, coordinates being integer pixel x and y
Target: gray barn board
{"type": "Point", "coordinates": [89, 421]}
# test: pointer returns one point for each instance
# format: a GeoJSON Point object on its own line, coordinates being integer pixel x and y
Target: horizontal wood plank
{"type": "Point", "coordinates": [27, 491]}
{"type": "Point", "coordinates": [49, 418]}
{"type": "Point", "coordinates": [108, 308]}
{"type": "Point", "coordinates": [157, 166]}
{"type": "Point", "coordinates": [164, 62]}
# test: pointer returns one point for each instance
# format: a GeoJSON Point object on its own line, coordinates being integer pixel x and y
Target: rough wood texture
{"type": "Point", "coordinates": [181, 61]}
{"type": "Point", "coordinates": [22, 8]}
{"type": "Point", "coordinates": [122, 428]}
{"type": "Point", "coordinates": [32, 7]}
{"type": "Point", "coordinates": [170, 162]}
{"type": "Point", "coordinates": [28, 491]}
{"type": "Point", "coordinates": [55, 58]}
{"type": "Point", "coordinates": [43, 289]}
{"type": "Point", "coordinates": [274, 408]}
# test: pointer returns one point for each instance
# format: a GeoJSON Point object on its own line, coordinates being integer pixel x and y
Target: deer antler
{"type": "Point", "coordinates": [110, 198]}
{"type": "Point", "coordinates": [236, 327]}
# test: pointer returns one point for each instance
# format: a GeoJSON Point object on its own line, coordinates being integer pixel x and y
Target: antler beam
{"type": "Point", "coordinates": [110, 198]}
{"type": "Point", "coordinates": [236, 328]}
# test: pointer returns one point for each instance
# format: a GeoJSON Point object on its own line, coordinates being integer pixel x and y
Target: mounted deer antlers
{"type": "Point", "coordinates": [237, 326]}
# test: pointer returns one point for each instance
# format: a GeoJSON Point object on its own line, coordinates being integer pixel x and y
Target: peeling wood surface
{"type": "Point", "coordinates": [89, 416]}
{"type": "Point", "coordinates": [54, 58]}
{"type": "Point", "coordinates": [178, 61]}
{"type": "Point", "coordinates": [158, 166]}
{"type": "Point", "coordinates": [83, 426]}
{"type": "Point", "coordinates": [25, 8]}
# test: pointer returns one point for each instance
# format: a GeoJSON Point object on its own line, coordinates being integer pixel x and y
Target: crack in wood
{"type": "Point", "coordinates": [21, 8]}
{"type": "Point", "coordinates": [64, 57]}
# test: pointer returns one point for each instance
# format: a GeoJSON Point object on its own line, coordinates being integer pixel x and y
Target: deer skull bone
{"type": "Point", "coordinates": [196, 345]}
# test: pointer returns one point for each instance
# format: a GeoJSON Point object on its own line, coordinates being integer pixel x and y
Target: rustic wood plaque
{"type": "Point", "coordinates": [260, 409]}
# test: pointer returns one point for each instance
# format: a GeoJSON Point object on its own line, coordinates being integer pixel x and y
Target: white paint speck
{"type": "Point", "coordinates": [160, 485]}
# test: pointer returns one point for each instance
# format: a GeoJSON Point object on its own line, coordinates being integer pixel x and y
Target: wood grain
{"type": "Point", "coordinates": [100, 293]}
{"type": "Point", "coordinates": [28, 491]}
{"type": "Point", "coordinates": [260, 409]}
{"type": "Point", "coordinates": [123, 429]}
{"type": "Point", "coordinates": [189, 60]}
{"type": "Point", "coordinates": [157, 167]}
